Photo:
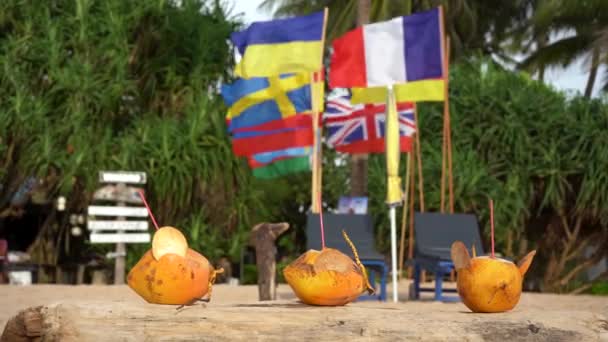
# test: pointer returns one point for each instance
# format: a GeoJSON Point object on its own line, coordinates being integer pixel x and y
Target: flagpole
{"type": "Point", "coordinates": [419, 161]}
{"type": "Point", "coordinates": [448, 130]}
{"type": "Point", "coordinates": [394, 193]}
{"type": "Point", "coordinates": [405, 208]}
{"type": "Point", "coordinates": [445, 154]}
{"type": "Point", "coordinates": [411, 237]}
{"type": "Point", "coordinates": [315, 155]}
{"type": "Point", "coordinates": [411, 194]}
{"type": "Point", "coordinates": [316, 158]}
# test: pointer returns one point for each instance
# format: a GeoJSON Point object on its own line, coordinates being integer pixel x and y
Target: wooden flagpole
{"type": "Point", "coordinates": [408, 170]}
{"type": "Point", "coordinates": [419, 161]}
{"type": "Point", "coordinates": [410, 252]}
{"type": "Point", "coordinates": [411, 194]}
{"type": "Point", "coordinates": [445, 155]}
{"type": "Point", "coordinates": [448, 129]}
{"type": "Point", "coordinates": [316, 158]}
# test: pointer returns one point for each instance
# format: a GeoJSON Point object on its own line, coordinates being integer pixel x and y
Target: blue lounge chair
{"type": "Point", "coordinates": [361, 231]}
{"type": "Point", "coordinates": [434, 234]}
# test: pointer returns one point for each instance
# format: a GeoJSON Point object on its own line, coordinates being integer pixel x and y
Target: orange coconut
{"type": "Point", "coordinates": [172, 278]}
{"type": "Point", "coordinates": [327, 277]}
{"type": "Point", "coordinates": [487, 284]}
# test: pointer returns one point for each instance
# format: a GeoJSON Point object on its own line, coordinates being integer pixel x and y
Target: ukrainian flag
{"type": "Point", "coordinates": [281, 46]}
{"type": "Point", "coordinates": [417, 91]}
{"type": "Point", "coordinates": [260, 100]}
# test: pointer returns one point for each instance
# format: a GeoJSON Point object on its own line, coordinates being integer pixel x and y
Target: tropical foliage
{"type": "Point", "coordinates": [90, 86]}
{"type": "Point", "coordinates": [582, 31]}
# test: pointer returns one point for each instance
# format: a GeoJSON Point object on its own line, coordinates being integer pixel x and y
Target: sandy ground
{"type": "Point", "coordinates": [563, 315]}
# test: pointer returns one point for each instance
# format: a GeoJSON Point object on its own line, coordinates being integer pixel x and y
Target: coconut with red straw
{"type": "Point", "coordinates": [327, 277]}
{"type": "Point", "coordinates": [488, 283]}
{"type": "Point", "coordinates": [170, 272]}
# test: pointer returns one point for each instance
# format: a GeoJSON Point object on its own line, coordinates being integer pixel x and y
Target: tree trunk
{"type": "Point", "coordinates": [592, 73]}
{"type": "Point", "coordinates": [542, 41]}
{"type": "Point", "coordinates": [358, 171]}
{"type": "Point", "coordinates": [363, 11]}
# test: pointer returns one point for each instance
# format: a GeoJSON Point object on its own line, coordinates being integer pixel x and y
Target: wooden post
{"type": "Point", "coordinates": [263, 238]}
{"type": "Point", "coordinates": [409, 168]}
{"type": "Point", "coordinates": [410, 252]}
{"type": "Point", "coordinates": [419, 161]}
{"type": "Point", "coordinates": [317, 131]}
{"type": "Point", "coordinates": [447, 135]}
{"type": "Point", "coordinates": [121, 251]}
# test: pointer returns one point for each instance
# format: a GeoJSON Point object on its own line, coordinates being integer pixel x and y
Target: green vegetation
{"type": "Point", "coordinates": [91, 86]}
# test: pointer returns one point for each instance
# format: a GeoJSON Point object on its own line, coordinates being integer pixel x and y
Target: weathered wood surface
{"type": "Point", "coordinates": [292, 321]}
{"type": "Point", "coordinates": [263, 237]}
{"type": "Point", "coordinates": [115, 313]}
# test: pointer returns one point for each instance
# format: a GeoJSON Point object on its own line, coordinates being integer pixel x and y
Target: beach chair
{"type": "Point", "coordinates": [434, 234]}
{"type": "Point", "coordinates": [360, 229]}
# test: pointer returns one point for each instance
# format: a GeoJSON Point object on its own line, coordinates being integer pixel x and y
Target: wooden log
{"type": "Point", "coordinates": [25, 326]}
{"type": "Point", "coordinates": [262, 238]}
{"type": "Point", "coordinates": [114, 321]}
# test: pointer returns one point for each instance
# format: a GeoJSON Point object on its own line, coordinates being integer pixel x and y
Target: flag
{"type": "Point", "coordinates": [253, 142]}
{"type": "Point", "coordinates": [265, 158]}
{"type": "Point", "coordinates": [280, 46]}
{"type": "Point", "coordinates": [297, 121]}
{"type": "Point", "coordinates": [361, 128]}
{"type": "Point", "coordinates": [282, 168]}
{"type": "Point", "coordinates": [417, 91]}
{"type": "Point", "coordinates": [402, 50]}
{"type": "Point", "coordinates": [259, 100]}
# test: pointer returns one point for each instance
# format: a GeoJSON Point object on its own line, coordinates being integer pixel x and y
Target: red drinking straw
{"type": "Point", "coordinates": [143, 198]}
{"type": "Point", "coordinates": [321, 218]}
{"type": "Point", "coordinates": [492, 224]}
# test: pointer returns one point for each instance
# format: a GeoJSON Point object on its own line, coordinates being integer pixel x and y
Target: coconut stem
{"type": "Point", "coordinates": [492, 225]}
{"type": "Point", "coordinates": [143, 198]}
{"type": "Point", "coordinates": [370, 289]}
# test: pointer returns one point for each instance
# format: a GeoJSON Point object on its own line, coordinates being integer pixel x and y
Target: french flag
{"type": "Point", "coordinates": [401, 50]}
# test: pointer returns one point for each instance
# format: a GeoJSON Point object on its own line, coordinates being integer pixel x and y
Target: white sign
{"type": "Point", "coordinates": [117, 225]}
{"type": "Point", "coordinates": [20, 277]}
{"type": "Point", "coordinates": [118, 193]}
{"type": "Point", "coordinates": [100, 210]}
{"type": "Point", "coordinates": [116, 238]}
{"type": "Point", "coordinates": [122, 177]}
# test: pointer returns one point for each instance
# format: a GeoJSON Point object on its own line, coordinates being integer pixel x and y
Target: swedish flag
{"type": "Point", "coordinates": [260, 100]}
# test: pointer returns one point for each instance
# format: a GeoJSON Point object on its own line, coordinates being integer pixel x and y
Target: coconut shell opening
{"type": "Point", "coordinates": [169, 240]}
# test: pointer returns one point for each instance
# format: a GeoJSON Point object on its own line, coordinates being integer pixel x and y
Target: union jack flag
{"type": "Point", "coordinates": [360, 128]}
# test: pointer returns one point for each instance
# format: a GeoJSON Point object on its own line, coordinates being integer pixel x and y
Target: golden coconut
{"type": "Point", "coordinates": [487, 284]}
{"type": "Point", "coordinates": [172, 278]}
{"type": "Point", "coordinates": [327, 277]}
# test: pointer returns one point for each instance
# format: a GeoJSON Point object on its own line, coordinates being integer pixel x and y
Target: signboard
{"type": "Point", "coordinates": [119, 237]}
{"type": "Point", "coordinates": [117, 225]}
{"type": "Point", "coordinates": [100, 210]}
{"type": "Point", "coordinates": [126, 177]}
{"type": "Point", "coordinates": [117, 231]}
{"type": "Point", "coordinates": [118, 193]}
